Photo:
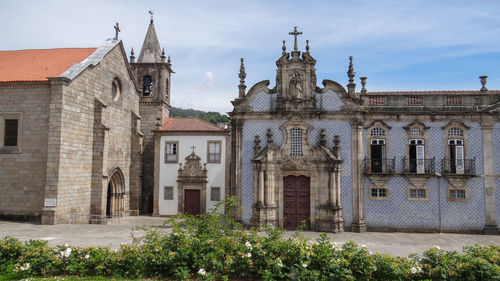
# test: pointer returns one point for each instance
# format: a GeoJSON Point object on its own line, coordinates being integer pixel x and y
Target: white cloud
{"type": "Point", "coordinates": [205, 39]}
{"type": "Point", "coordinates": [209, 80]}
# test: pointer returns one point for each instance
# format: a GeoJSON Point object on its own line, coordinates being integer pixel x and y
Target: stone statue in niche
{"type": "Point", "coordinates": [296, 87]}
{"type": "Point", "coordinates": [192, 170]}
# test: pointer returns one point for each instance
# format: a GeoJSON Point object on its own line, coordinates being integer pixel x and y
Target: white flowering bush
{"type": "Point", "coordinates": [214, 247]}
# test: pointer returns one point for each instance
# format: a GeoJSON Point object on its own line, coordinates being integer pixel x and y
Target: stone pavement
{"type": "Point", "coordinates": [121, 231]}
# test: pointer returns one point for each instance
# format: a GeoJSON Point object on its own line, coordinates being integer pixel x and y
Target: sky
{"type": "Point", "coordinates": [398, 45]}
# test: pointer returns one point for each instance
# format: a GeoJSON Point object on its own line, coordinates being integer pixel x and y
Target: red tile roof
{"type": "Point", "coordinates": [437, 92]}
{"type": "Point", "coordinates": [188, 124]}
{"type": "Point", "coordinates": [37, 65]}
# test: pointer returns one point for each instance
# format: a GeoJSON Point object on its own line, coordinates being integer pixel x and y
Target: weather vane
{"type": "Point", "coordinates": [151, 13]}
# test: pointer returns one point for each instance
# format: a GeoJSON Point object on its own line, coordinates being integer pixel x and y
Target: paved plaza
{"type": "Point", "coordinates": [122, 231]}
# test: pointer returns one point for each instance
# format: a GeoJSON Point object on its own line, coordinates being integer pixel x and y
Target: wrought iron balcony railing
{"type": "Point", "coordinates": [379, 166]}
{"type": "Point", "coordinates": [458, 166]}
{"type": "Point", "coordinates": [419, 166]}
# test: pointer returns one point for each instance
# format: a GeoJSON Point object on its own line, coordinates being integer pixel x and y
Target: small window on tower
{"type": "Point", "coordinates": [147, 86]}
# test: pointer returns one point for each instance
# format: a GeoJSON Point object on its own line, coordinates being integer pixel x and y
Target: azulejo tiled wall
{"type": "Point", "coordinates": [343, 129]}
{"type": "Point", "coordinates": [496, 149]}
{"type": "Point", "coordinates": [400, 212]}
{"type": "Point", "coordinates": [250, 130]}
{"type": "Point", "coordinates": [328, 101]}
{"type": "Point", "coordinates": [263, 102]}
{"type": "Point", "coordinates": [497, 199]}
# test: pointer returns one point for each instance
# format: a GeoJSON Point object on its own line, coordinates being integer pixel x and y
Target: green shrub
{"type": "Point", "coordinates": [214, 247]}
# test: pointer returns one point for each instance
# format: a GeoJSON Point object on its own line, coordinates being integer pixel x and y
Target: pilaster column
{"type": "Point", "coordinates": [332, 187]}
{"type": "Point", "coordinates": [270, 188]}
{"type": "Point", "coordinates": [491, 226]}
{"type": "Point", "coordinates": [236, 159]}
{"type": "Point", "coordinates": [261, 186]}
{"type": "Point", "coordinates": [338, 200]}
{"type": "Point", "coordinates": [358, 195]}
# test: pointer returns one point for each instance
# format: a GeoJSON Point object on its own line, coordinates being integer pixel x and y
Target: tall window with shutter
{"type": "Point", "coordinates": [214, 151]}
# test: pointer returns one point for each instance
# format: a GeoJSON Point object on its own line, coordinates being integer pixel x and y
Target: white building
{"type": "Point", "coordinates": [191, 166]}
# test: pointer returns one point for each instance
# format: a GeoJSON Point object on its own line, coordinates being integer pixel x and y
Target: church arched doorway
{"type": "Point", "coordinates": [115, 195]}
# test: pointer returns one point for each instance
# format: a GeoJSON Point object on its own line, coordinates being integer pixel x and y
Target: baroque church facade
{"type": "Point", "coordinates": [76, 130]}
{"type": "Point", "coordinates": [333, 159]}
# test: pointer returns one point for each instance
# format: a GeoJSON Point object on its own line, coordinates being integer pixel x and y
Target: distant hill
{"type": "Point", "coordinates": [212, 117]}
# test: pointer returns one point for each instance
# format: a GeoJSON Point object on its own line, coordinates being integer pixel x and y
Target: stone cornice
{"type": "Point", "coordinates": [25, 84]}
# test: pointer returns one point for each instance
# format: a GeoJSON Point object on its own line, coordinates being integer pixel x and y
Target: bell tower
{"type": "Point", "coordinates": [152, 72]}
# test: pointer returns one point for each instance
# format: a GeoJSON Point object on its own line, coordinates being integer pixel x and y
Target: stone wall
{"type": "Point", "coordinates": [22, 175]}
{"type": "Point", "coordinates": [71, 139]}
{"type": "Point", "coordinates": [150, 112]}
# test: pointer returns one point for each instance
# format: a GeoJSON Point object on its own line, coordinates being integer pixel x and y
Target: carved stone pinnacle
{"type": "Point", "coordinates": [483, 83]}
{"type": "Point", "coordinates": [350, 72]}
{"type": "Point", "coordinates": [363, 83]}
{"type": "Point", "coordinates": [242, 75]}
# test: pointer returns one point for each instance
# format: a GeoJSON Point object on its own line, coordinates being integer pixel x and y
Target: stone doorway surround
{"type": "Point", "coordinates": [115, 194]}
{"type": "Point", "coordinates": [192, 176]}
{"type": "Point", "coordinates": [318, 163]}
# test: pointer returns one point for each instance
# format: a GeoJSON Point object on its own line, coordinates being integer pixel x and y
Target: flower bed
{"type": "Point", "coordinates": [213, 247]}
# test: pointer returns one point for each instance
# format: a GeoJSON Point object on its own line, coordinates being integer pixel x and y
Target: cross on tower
{"type": "Point", "coordinates": [295, 33]}
{"type": "Point", "coordinates": [117, 29]}
{"type": "Point", "coordinates": [193, 148]}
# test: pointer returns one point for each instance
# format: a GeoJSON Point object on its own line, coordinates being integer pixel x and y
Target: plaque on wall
{"type": "Point", "coordinates": [50, 202]}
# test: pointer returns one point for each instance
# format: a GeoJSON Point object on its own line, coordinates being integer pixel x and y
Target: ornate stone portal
{"type": "Point", "coordinates": [297, 183]}
{"type": "Point", "coordinates": [192, 182]}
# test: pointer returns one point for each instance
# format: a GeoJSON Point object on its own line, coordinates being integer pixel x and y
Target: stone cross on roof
{"type": "Point", "coordinates": [295, 33]}
{"type": "Point", "coordinates": [117, 29]}
{"type": "Point", "coordinates": [193, 148]}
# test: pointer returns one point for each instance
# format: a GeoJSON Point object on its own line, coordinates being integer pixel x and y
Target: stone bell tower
{"type": "Point", "coordinates": [152, 71]}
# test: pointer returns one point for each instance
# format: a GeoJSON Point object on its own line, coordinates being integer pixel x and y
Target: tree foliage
{"type": "Point", "coordinates": [211, 116]}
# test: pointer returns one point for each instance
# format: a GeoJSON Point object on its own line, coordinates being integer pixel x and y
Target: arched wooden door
{"type": "Point", "coordinates": [296, 198]}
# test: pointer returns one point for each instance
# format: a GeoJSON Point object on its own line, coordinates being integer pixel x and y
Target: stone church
{"type": "Point", "coordinates": [333, 159]}
{"type": "Point", "coordinates": [76, 140]}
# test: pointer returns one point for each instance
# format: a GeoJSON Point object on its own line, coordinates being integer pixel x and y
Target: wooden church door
{"type": "Point", "coordinates": [296, 197]}
{"type": "Point", "coordinates": [192, 201]}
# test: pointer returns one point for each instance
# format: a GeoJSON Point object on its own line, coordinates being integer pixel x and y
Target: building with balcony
{"type": "Point", "coordinates": [339, 159]}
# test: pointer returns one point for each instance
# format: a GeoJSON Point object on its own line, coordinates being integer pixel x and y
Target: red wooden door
{"type": "Point", "coordinates": [192, 201]}
{"type": "Point", "coordinates": [296, 193]}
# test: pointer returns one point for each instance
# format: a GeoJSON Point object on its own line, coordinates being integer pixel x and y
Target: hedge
{"type": "Point", "coordinates": [214, 247]}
